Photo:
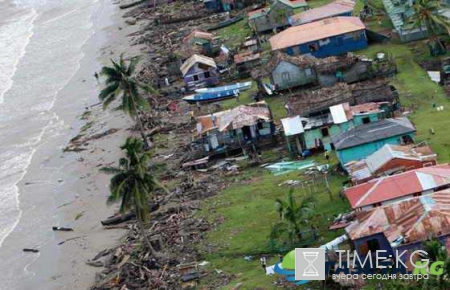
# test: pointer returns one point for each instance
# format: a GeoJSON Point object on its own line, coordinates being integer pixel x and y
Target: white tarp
{"type": "Point", "coordinates": [292, 126]}
{"type": "Point", "coordinates": [338, 114]}
{"type": "Point", "coordinates": [435, 76]}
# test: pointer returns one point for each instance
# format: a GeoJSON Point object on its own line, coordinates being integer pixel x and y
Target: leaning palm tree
{"type": "Point", "coordinates": [121, 82]}
{"type": "Point", "coordinates": [292, 217]}
{"type": "Point", "coordinates": [132, 184]}
{"type": "Point", "coordinates": [428, 14]}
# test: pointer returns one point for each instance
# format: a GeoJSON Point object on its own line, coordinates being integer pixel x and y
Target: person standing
{"type": "Point", "coordinates": [263, 263]}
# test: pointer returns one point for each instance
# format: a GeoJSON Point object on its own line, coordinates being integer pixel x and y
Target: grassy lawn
{"type": "Point", "coordinates": [247, 212]}
{"type": "Point", "coordinates": [234, 35]}
{"type": "Point", "coordinates": [417, 91]}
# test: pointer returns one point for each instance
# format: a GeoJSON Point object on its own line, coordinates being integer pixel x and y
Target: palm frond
{"type": "Point", "coordinates": [110, 170]}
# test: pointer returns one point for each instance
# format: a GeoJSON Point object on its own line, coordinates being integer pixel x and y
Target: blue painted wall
{"type": "Point", "coordinates": [335, 45]}
{"type": "Point", "coordinates": [364, 150]}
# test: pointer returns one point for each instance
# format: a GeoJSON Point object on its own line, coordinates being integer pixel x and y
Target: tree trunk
{"type": "Point", "coordinates": [147, 143]}
{"type": "Point", "coordinates": [144, 235]}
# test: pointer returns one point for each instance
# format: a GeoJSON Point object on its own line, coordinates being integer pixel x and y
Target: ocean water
{"type": "Point", "coordinates": [41, 48]}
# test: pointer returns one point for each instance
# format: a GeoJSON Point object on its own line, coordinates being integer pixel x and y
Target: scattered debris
{"type": "Point", "coordinates": [62, 229]}
{"type": "Point", "coordinates": [31, 250]}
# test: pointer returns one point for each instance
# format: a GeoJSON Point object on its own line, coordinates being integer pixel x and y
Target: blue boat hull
{"type": "Point", "coordinates": [211, 97]}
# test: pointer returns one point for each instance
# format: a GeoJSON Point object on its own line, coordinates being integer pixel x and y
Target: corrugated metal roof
{"type": "Point", "coordinates": [292, 126]}
{"type": "Point", "coordinates": [365, 168]}
{"type": "Point", "coordinates": [198, 34]}
{"type": "Point", "coordinates": [315, 31]}
{"type": "Point", "coordinates": [338, 113]}
{"type": "Point", "coordinates": [415, 219]}
{"type": "Point", "coordinates": [190, 62]}
{"type": "Point", "coordinates": [398, 186]}
{"type": "Point", "coordinates": [329, 10]}
{"type": "Point", "coordinates": [243, 115]}
{"type": "Point", "coordinates": [245, 57]}
{"type": "Point", "coordinates": [371, 132]}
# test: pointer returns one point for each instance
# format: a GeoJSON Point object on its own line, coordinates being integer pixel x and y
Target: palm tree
{"type": "Point", "coordinates": [121, 82]}
{"type": "Point", "coordinates": [427, 13]}
{"type": "Point", "coordinates": [292, 217]}
{"type": "Point", "coordinates": [132, 184]}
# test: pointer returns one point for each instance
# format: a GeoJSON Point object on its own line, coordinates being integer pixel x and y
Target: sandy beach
{"type": "Point", "coordinates": [65, 188]}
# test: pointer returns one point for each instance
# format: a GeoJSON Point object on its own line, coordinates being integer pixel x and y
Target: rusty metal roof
{"type": "Point", "coordinates": [398, 186]}
{"type": "Point", "coordinates": [245, 57]}
{"type": "Point", "coordinates": [198, 34]}
{"type": "Point", "coordinates": [366, 168]}
{"type": "Point", "coordinates": [414, 219]}
{"type": "Point", "coordinates": [236, 118]}
{"type": "Point", "coordinates": [329, 10]}
{"type": "Point", "coordinates": [315, 31]}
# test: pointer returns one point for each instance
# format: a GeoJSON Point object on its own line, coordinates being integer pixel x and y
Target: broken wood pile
{"type": "Point", "coordinates": [310, 101]}
{"type": "Point", "coordinates": [173, 232]}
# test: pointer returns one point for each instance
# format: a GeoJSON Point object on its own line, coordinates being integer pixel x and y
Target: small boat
{"type": "Point", "coordinates": [211, 97]}
{"type": "Point", "coordinates": [268, 89]}
{"type": "Point", "coordinates": [237, 86]}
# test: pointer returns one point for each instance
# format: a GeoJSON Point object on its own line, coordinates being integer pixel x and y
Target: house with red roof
{"type": "Point", "coordinates": [403, 226]}
{"type": "Point", "coordinates": [331, 36]}
{"type": "Point", "coordinates": [390, 189]}
{"type": "Point", "coordinates": [389, 160]}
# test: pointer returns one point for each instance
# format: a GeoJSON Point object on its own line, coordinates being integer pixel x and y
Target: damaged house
{"type": "Point", "coordinates": [312, 101]}
{"type": "Point", "coordinates": [333, 9]}
{"type": "Point", "coordinates": [287, 72]}
{"type": "Point", "coordinates": [390, 189]}
{"type": "Point", "coordinates": [203, 42]}
{"type": "Point", "coordinates": [199, 71]}
{"type": "Point", "coordinates": [391, 159]}
{"type": "Point", "coordinates": [347, 68]}
{"type": "Point", "coordinates": [402, 226]}
{"type": "Point", "coordinates": [332, 36]}
{"type": "Point", "coordinates": [246, 126]}
{"type": "Point", "coordinates": [275, 16]}
{"type": "Point", "coordinates": [321, 126]}
{"type": "Point", "coordinates": [290, 71]}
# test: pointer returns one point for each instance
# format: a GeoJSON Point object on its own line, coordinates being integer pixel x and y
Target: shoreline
{"type": "Point", "coordinates": [79, 191]}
